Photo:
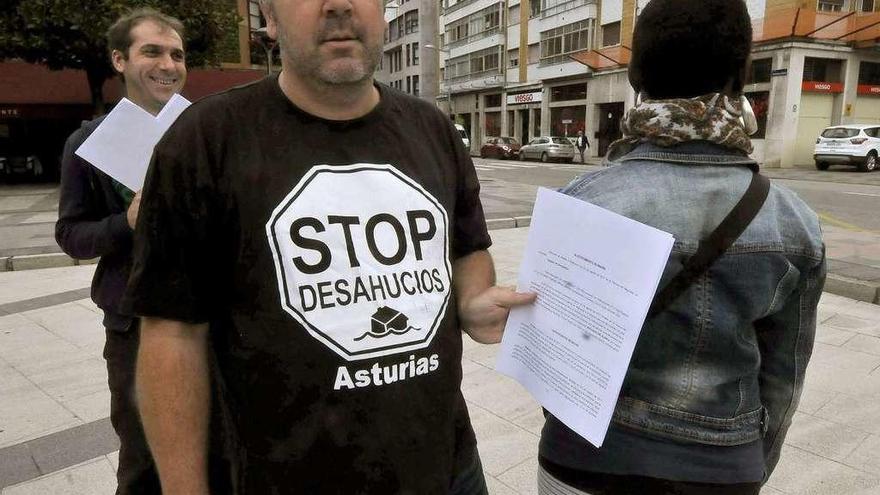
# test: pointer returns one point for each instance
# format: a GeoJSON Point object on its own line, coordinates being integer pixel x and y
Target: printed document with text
{"type": "Point", "coordinates": [595, 273]}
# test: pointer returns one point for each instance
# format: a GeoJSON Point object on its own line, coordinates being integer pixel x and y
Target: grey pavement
{"type": "Point", "coordinates": [55, 437]}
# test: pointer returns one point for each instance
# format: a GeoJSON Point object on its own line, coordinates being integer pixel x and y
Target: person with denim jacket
{"type": "Point", "coordinates": [716, 377]}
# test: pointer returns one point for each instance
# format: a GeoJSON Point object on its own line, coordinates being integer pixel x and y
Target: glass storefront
{"type": "Point", "coordinates": [567, 121]}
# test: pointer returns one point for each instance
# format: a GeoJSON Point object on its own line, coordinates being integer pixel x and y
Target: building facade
{"type": "Point", "coordinates": [527, 68]}
{"type": "Point", "coordinates": [400, 65]}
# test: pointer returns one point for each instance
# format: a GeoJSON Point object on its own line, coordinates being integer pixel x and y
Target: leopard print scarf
{"type": "Point", "coordinates": [713, 117]}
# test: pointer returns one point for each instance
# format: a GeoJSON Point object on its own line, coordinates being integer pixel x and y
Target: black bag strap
{"type": "Point", "coordinates": [713, 246]}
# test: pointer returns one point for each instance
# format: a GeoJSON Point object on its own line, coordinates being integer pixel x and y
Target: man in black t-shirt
{"type": "Point", "coordinates": [320, 238]}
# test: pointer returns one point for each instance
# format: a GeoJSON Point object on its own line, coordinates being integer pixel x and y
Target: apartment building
{"type": "Point", "coordinates": [400, 66]}
{"type": "Point", "coordinates": [525, 68]}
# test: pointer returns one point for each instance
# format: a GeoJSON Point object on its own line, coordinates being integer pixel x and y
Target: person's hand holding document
{"type": "Point", "coordinates": [595, 273]}
{"type": "Point", "coordinates": [122, 145]}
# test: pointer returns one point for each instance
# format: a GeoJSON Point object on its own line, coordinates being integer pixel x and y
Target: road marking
{"type": "Point", "coordinates": [830, 220]}
{"type": "Point", "coordinates": [863, 194]}
{"type": "Point", "coordinates": [507, 165]}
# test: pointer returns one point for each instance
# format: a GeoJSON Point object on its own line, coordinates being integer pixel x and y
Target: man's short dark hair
{"type": "Point", "coordinates": [688, 48]}
{"type": "Point", "coordinates": [119, 34]}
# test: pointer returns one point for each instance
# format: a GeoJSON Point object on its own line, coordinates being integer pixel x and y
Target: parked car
{"type": "Point", "coordinates": [464, 135]}
{"type": "Point", "coordinates": [852, 144]}
{"type": "Point", "coordinates": [546, 148]}
{"type": "Point", "coordinates": [501, 147]}
{"type": "Point", "coordinates": [21, 165]}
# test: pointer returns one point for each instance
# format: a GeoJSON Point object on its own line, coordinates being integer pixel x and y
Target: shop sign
{"type": "Point", "coordinates": [867, 89]}
{"type": "Point", "coordinates": [9, 113]}
{"type": "Point", "coordinates": [822, 87]}
{"type": "Point", "coordinates": [524, 98]}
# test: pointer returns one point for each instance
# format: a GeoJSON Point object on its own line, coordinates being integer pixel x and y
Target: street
{"type": "Point", "coordinates": [842, 197]}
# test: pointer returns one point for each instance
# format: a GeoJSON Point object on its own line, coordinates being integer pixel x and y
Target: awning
{"type": "Point", "coordinates": [862, 29]}
{"type": "Point", "coordinates": [604, 58]}
{"type": "Point", "coordinates": [22, 83]}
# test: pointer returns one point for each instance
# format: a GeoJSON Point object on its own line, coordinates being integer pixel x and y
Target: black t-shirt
{"type": "Point", "coordinates": [321, 254]}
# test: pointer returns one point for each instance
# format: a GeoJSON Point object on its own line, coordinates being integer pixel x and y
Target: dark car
{"type": "Point", "coordinates": [21, 165]}
{"type": "Point", "coordinates": [500, 147]}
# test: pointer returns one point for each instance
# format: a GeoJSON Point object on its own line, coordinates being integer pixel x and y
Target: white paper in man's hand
{"type": "Point", "coordinates": [595, 273]}
{"type": "Point", "coordinates": [122, 145]}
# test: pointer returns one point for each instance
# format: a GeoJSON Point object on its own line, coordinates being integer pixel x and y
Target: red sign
{"type": "Point", "coordinates": [822, 87]}
{"type": "Point", "coordinates": [867, 89]}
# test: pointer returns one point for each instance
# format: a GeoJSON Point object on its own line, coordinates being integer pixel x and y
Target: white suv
{"type": "Point", "coordinates": [854, 144]}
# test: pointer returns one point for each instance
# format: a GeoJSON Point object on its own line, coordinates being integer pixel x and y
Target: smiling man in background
{"type": "Point", "coordinates": [323, 237]}
{"type": "Point", "coordinates": [96, 218]}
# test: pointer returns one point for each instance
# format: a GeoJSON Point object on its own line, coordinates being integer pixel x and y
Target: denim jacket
{"type": "Point", "coordinates": [724, 363]}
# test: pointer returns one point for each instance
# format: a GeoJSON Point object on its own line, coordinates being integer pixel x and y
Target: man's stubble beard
{"type": "Point", "coordinates": [311, 67]}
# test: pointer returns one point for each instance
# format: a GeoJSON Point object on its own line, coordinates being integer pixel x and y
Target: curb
{"type": "Point", "coordinates": [852, 288]}
{"type": "Point", "coordinates": [40, 261]}
{"type": "Point", "coordinates": [834, 284]}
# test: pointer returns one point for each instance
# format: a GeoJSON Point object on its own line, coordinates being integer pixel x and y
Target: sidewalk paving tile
{"type": "Point", "coordinates": [867, 456]}
{"type": "Point", "coordinates": [502, 445]}
{"type": "Point", "coordinates": [523, 478]}
{"type": "Point", "coordinates": [17, 412]}
{"type": "Point", "coordinates": [803, 473]}
{"type": "Point", "coordinates": [95, 477]}
{"type": "Point", "coordinates": [831, 440]}
{"type": "Point", "coordinates": [856, 412]}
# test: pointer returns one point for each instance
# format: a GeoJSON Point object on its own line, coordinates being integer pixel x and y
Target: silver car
{"type": "Point", "coordinates": [546, 148]}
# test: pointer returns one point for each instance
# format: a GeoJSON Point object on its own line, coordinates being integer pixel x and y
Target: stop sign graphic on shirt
{"type": "Point", "coordinates": [362, 259]}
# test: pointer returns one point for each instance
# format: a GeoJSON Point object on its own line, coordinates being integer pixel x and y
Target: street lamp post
{"type": "Point", "coordinates": [434, 80]}
{"type": "Point", "coordinates": [261, 37]}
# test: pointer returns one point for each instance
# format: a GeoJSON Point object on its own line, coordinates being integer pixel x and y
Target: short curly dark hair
{"type": "Point", "coordinates": [687, 48]}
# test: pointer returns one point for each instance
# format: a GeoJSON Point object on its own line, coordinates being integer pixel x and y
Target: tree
{"type": "Point", "coordinates": [70, 34]}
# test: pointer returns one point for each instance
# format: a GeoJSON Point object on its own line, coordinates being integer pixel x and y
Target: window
{"type": "Point", "coordinates": [553, 7]}
{"type": "Point", "coordinates": [408, 84]}
{"type": "Point", "coordinates": [534, 8]}
{"type": "Point", "coordinates": [830, 5]}
{"type": "Point", "coordinates": [475, 26]}
{"type": "Point", "coordinates": [493, 100]}
{"type": "Point", "coordinates": [415, 54]}
{"type": "Point", "coordinates": [869, 73]}
{"type": "Point", "coordinates": [513, 15]}
{"type": "Point", "coordinates": [513, 58]}
{"type": "Point", "coordinates": [415, 85]}
{"type": "Point", "coordinates": [822, 69]}
{"type": "Point", "coordinates": [411, 19]}
{"type": "Point", "coordinates": [867, 5]}
{"type": "Point", "coordinates": [570, 92]}
{"type": "Point", "coordinates": [408, 59]}
{"type": "Point", "coordinates": [611, 34]}
{"type": "Point", "coordinates": [557, 43]}
{"type": "Point", "coordinates": [473, 63]}
{"type": "Point", "coordinates": [759, 71]}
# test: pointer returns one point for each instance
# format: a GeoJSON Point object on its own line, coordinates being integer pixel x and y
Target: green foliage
{"type": "Point", "coordinates": [70, 33]}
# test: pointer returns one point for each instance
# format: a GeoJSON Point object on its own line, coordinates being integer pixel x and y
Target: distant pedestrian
{"type": "Point", "coordinates": [719, 366]}
{"type": "Point", "coordinates": [320, 237]}
{"type": "Point", "coordinates": [582, 143]}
